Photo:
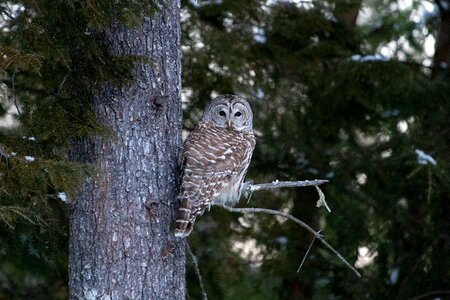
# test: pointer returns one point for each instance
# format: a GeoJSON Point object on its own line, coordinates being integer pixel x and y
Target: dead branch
{"type": "Point", "coordinates": [316, 234]}
{"type": "Point", "coordinates": [197, 271]}
{"type": "Point", "coordinates": [249, 187]}
{"type": "Point", "coordinates": [306, 254]}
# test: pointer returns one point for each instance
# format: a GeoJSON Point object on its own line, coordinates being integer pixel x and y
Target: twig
{"type": "Point", "coordinates": [197, 271]}
{"type": "Point", "coordinates": [321, 201]}
{"type": "Point", "coordinates": [430, 185]}
{"type": "Point", "coordinates": [14, 93]}
{"type": "Point", "coordinates": [299, 222]}
{"type": "Point", "coordinates": [306, 254]}
{"type": "Point", "coordinates": [432, 293]}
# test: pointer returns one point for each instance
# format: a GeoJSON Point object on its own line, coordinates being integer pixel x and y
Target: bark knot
{"type": "Point", "coordinates": [159, 104]}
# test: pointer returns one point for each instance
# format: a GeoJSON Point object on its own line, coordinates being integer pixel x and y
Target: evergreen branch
{"type": "Point", "coordinates": [21, 212]}
{"type": "Point", "coordinates": [440, 6]}
{"type": "Point", "coordinates": [14, 94]}
{"type": "Point", "coordinates": [6, 218]}
{"type": "Point", "coordinates": [197, 271]}
{"type": "Point", "coordinates": [8, 213]}
{"type": "Point", "coordinates": [7, 12]}
{"type": "Point", "coordinates": [299, 222]}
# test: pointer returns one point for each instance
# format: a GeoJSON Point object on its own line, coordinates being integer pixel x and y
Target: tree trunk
{"type": "Point", "coordinates": [122, 244]}
{"type": "Point", "coordinates": [441, 61]}
{"type": "Point", "coordinates": [347, 13]}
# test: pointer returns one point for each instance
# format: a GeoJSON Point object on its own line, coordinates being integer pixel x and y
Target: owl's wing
{"type": "Point", "coordinates": [211, 149]}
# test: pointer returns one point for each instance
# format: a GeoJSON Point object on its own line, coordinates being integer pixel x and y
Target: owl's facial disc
{"type": "Point", "coordinates": [230, 112]}
{"type": "Point", "coordinates": [220, 115]}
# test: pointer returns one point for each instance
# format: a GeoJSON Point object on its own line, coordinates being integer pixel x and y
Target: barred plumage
{"type": "Point", "coordinates": [215, 159]}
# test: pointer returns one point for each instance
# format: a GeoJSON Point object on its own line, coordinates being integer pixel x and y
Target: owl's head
{"type": "Point", "coordinates": [229, 111]}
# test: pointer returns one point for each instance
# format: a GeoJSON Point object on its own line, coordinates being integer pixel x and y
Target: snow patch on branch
{"type": "Point", "coordinates": [424, 159]}
{"type": "Point", "coordinates": [30, 138]}
{"type": "Point", "coordinates": [393, 277]}
{"type": "Point", "coordinates": [62, 196]}
{"type": "Point", "coordinates": [29, 158]}
{"type": "Point", "coordinates": [373, 57]}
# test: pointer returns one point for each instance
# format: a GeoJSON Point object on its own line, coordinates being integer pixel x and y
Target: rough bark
{"type": "Point", "coordinates": [122, 244]}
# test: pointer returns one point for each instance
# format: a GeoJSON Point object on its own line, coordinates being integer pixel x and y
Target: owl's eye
{"type": "Point", "coordinates": [222, 113]}
{"type": "Point", "coordinates": [238, 114]}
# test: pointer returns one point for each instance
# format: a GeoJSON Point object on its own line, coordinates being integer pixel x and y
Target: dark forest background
{"type": "Point", "coordinates": [356, 92]}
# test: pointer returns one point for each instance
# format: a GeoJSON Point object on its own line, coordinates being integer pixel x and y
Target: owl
{"type": "Point", "coordinates": [214, 159]}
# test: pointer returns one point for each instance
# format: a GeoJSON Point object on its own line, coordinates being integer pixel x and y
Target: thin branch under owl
{"type": "Point", "coordinates": [316, 234]}
{"type": "Point", "coordinates": [197, 271]}
{"type": "Point", "coordinates": [249, 188]}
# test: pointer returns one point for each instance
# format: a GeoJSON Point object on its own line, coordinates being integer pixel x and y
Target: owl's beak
{"type": "Point", "coordinates": [229, 124]}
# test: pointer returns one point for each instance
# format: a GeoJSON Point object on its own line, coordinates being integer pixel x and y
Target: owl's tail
{"type": "Point", "coordinates": [184, 222]}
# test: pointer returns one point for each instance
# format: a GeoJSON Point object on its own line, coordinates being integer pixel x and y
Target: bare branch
{"type": "Point", "coordinates": [306, 254]}
{"type": "Point", "coordinates": [299, 222]}
{"type": "Point", "coordinates": [197, 271]}
{"type": "Point", "coordinates": [249, 187]}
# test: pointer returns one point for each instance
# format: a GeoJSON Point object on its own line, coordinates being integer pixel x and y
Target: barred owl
{"type": "Point", "coordinates": [215, 159]}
